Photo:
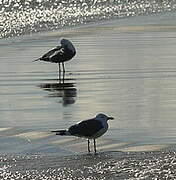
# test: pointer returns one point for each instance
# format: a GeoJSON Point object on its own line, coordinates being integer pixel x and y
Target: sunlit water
{"type": "Point", "coordinates": [23, 17]}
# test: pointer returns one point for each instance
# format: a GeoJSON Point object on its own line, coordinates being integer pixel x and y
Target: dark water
{"type": "Point", "coordinates": [24, 17]}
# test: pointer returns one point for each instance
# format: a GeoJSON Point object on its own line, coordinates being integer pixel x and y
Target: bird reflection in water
{"type": "Point", "coordinates": [66, 91]}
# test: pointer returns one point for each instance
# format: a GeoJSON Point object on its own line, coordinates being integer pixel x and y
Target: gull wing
{"type": "Point", "coordinates": [86, 128]}
{"type": "Point", "coordinates": [51, 53]}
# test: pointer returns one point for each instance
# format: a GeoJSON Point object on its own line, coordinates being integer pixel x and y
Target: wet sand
{"type": "Point", "coordinates": [124, 68]}
{"type": "Point", "coordinates": [108, 165]}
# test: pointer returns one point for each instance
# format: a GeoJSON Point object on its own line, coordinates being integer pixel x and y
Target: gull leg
{"type": "Point", "coordinates": [63, 67]}
{"type": "Point", "coordinates": [95, 147]}
{"type": "Point", "coordinates": [59, 72]}
{"type": "Point", "coordinates": [63, 70]}
{"type": "Point", "coordinates": [88, 145]}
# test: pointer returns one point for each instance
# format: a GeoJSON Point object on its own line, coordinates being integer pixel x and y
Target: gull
{"type": "Point", "coordinates": [65, 52]}
{"type": "Point", "coordinates": [89, 129]}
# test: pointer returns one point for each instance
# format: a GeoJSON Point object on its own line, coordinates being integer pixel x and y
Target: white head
{"type": "Point", "coordinates": [67, 44]}
{"type": "Point", "coordinates": [103, 117]}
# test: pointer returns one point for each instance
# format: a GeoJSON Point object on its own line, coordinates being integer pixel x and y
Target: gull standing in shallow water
{"type": "Point", "coordinates": [89, 129]}
{"type": "Point", "coordinates": [65, 52]}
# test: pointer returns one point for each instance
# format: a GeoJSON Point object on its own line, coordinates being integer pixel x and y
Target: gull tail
{"type": "Point", "coordinates": [37, 60]}
{"type": "Point", "coordinates": [62, 132]}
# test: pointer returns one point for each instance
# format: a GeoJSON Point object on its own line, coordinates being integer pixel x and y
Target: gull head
{"type": "Point", "coordinates": [65, 43]}
{"type": "Point", "coordinates": [103, 118]}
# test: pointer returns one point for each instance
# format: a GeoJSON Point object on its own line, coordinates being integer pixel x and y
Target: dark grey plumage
{"type": "Point", "coordinates": [86, 128]}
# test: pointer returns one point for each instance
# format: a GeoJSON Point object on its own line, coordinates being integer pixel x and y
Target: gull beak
{"type": "Point", "coordinates": [110, 118]}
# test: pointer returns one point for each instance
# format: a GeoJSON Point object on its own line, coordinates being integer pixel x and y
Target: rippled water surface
{"type": "Point", "coordinates": [124, 68]}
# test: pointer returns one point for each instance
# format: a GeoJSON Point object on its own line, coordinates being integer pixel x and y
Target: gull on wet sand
{"type": "Point", "coordinates": [89, 129]}
{"type": "Point", "coordinates": [65, 52]}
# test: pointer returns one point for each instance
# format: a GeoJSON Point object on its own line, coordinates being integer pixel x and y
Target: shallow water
{"type": "Point", "coordinates": [124, 68]}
